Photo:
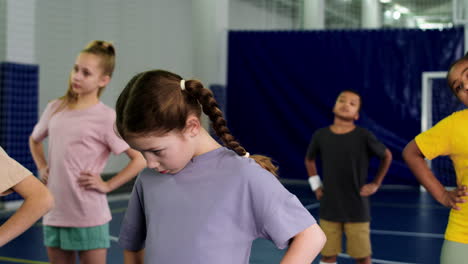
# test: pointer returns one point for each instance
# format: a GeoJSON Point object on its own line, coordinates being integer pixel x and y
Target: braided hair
{"type": "Point", "coordinates": [154, 102]}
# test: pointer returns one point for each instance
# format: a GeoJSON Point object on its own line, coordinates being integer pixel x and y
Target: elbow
{"type": "Point", "coordinates": [309, 162]}
{"type": "Point", "coordinates": [407, 152]}
{"type": "Point", "coordinates": [137, 159]}
{"type": "Point", "coordinates": [318, 237]}
{"type": "Point", "coordinates": [33, 144]}
{"type": "Point", "coordinates": [404, 154]}
{"type": "Point", "coordinates": [141, 161]}
{"type": "Point", "coordinates": [322, 239]}
{"type": "Point", "coordinates": [44, 199]}
{"type": "Point", "coordinates": [31, 140]}
{"type": "Point", "coordinates": [48, 201]}
{"type": "Point", "coordinates": [388, 156]}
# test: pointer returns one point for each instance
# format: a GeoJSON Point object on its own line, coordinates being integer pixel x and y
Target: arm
{"type": "Point", "coordinates": [134, 257]}
{"type": "Point", "coordinates": [94, 182]}
{"type": "Point", "coordinates": [37, 152]}
{"type": "Point", "coordinates": [312, 171]}
{"type": "Point", "coordinates": [371, 188]}
{"type": "Point", "coordinates": [136, 164]}
{"type": "Point", "coordinates": [383, 167]}
{"type": "Point", "coordinates": [305, 246]}
{"type": "Point", "coordinates": [37, 201]}
{"type": "Point", "coordinates": [415, 161]}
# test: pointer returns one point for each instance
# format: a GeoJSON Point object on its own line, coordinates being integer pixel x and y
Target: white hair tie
{"type": "Point", "coordinates": [246, 155]}
{"type": "Point", "coordinates": [182, 84]}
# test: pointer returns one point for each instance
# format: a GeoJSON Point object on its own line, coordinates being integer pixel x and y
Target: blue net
{"type": "Point", "coordinates": [18, 112]}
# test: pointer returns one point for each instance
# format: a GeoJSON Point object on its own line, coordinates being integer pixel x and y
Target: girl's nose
{"type": "Point", "coordinates": [151, 163]}
{"type": "Point", "coordinates": [76, 76]}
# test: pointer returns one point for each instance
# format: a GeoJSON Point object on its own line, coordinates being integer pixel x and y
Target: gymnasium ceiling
{"type": "Point", "coordinates": [347, 13]}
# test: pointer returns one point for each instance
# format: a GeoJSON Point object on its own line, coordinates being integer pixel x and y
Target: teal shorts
{"type": "Point", "coordinates": [77, 238]}
{"type": "Point", "coordinates": [453, 252]}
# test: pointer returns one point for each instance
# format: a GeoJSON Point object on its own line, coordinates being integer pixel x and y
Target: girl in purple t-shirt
{"type": "Point", "coordinates": [81, 136]}
{"type": "Point", "coordinates": [199, 202]}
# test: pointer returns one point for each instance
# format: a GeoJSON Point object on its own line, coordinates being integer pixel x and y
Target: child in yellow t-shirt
{"type": "Point", "coordinates": [37, 199]}
{"type": "Point", "coordinates": [449, 137]}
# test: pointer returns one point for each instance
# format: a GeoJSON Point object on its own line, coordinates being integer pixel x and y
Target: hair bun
{"type": "Point", "coordinates": [101, 44]}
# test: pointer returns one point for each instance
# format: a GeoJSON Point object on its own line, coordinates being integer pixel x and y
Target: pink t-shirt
{"type": "Point", "coordinates": [79, 141]}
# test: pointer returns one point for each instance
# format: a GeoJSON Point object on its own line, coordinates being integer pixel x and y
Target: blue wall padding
{"type": "Point", "coordinates": [18, 111]}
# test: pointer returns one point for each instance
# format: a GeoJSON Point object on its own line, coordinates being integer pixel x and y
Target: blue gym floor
{"type": "Point", "coordinates": [407, 227]}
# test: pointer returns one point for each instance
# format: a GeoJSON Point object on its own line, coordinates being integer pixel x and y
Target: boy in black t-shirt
{"type": "Point", "coordinates": [345, 150]}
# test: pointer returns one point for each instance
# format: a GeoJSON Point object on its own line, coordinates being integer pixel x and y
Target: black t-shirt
{"type": "Point", "coordinates": [345, 163]}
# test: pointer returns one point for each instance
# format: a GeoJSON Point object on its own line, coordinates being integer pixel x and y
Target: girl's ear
{"type": "Point", "coordinates": [192, 126]}
{"type": "Point", "coordinates": [104, 80]}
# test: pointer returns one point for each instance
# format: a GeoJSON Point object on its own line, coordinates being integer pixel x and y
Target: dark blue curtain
{"type": "Point", "coordinates": [282, 87]}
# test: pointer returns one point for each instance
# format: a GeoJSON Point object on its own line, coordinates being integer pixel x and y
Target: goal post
{"type": "Point", "coordinates": [438, 102]}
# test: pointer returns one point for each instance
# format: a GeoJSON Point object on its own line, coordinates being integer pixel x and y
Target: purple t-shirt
{"type": "Point", "coordinates": [210, 212]}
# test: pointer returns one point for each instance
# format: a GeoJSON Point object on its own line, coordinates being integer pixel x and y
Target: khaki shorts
{"type": "Point", "coordinates": [357, 238]}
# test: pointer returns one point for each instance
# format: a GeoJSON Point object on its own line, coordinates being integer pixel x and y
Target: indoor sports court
{"type": "Point", "coordinates": [407, 227]}
{"type": "Point", "coordinates": [275, 68]}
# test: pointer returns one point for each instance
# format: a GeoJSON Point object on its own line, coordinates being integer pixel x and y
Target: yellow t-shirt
{"type": "Point", "coordinates": [11, 172]}
{"type": "Point", "coordinates": [449, 137]}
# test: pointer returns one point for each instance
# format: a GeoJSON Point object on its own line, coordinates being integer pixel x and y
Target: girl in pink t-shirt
{"type": "Point", "coordinates": [81, 137]}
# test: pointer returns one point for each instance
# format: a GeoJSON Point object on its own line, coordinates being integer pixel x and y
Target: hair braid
{"type": "Point", "coordinates": [211, 109]}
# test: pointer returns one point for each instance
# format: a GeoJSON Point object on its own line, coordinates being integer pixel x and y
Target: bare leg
{"type": "Point", "coordinates": [94, 256]}
{"type": "Point", "coordinates": [60, 256]}
{"type": "Point", "coordinates": [366, 260]}
{"type": "Point", "coordinates": [328, 259]}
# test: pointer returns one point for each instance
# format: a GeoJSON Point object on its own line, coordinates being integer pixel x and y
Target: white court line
{"type": "Point", "coordinates": [312, 206]}
{"type": "Point", "coordinates": [378, 260]}
{"type": "Point", "coordinates": [385, 232]}
{"type": "Point", "coordinates": [118, 197]}
{"type": "Point", "coordinates": [393, 233]}
{"type": "Point", "coordinates": [401, 233]}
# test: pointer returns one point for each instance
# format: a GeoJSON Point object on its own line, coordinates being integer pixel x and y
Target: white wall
{"type": "Point", "coordinates": [20, 35]}
{"type": "Point", "coordinates": [3, 29]}
{"type": "Point", "coordinates": [147, 34]}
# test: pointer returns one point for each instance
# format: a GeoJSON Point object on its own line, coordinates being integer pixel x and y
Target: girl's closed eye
{"type": "Point", "coordinates": [157, 152]}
